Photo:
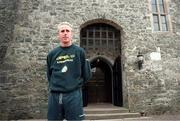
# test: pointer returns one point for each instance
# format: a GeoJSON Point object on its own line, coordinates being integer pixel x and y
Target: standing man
{"type": "Point", "coordinates": [67, 71]}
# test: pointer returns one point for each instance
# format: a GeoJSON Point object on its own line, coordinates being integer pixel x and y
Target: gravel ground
{"type": "Point", "coordinates": [148, 118]}
{"type": "Point", "coordinates": [156, 118]}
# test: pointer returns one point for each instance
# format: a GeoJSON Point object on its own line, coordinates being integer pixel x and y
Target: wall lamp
{"type": "Point", "coordinates": [140, 60]}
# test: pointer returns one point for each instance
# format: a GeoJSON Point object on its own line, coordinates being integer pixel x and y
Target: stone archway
{"type": "Point", "coordinates": [105, 85]}
{"type": "Point", "coordinates": [102, 43]}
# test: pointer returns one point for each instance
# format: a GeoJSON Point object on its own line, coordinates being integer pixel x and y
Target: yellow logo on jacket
{"type": "Point", "coordinates": [65, 58]}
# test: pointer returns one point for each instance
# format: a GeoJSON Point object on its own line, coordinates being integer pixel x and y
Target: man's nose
{"type": "Point", "coordinates": [65, 32]}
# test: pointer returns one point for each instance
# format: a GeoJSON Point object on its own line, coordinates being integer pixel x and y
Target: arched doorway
{"type": "Point", "coordinates": [100, 86]}
{"type": "Point", "coordinates": [102, 43]}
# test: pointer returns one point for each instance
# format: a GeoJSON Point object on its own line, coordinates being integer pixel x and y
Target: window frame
{"type": "Point", "coordinates": [160, 14]}
{"type": "Point", "coordinates": [109, 41]}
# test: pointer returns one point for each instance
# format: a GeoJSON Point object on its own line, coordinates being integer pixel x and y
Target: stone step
{"type": "Point", "coordinates": [105, 110]}
{"type": "Point", "coordinates": [111, 116]}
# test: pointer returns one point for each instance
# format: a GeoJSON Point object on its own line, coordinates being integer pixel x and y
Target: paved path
{"type": "Point", "coordinates": [156, 118]}
{"type": "Point", "coordinates": [149, 118]}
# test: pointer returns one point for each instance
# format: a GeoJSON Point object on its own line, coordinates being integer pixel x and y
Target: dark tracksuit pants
{"type": "Point", "coordinates": [67, 106]}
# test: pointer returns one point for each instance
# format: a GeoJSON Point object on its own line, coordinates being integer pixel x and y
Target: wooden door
{"type": "Point", "coordinates": [96, 88]}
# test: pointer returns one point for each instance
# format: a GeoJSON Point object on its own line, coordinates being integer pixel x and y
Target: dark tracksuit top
{"type": "Point", "coordinates": [67, 69]}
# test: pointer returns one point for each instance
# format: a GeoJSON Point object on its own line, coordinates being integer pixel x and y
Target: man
{"type": "Point", "coordinates": [67, 71]}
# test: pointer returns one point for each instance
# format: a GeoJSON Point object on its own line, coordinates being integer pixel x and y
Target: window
{"type": "Point", "coordinates": [160, 15]}
{"type": "Point", "coordinates": [99, 36]}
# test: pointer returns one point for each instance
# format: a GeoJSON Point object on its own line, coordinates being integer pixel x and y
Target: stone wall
{"type": "Point", "coordinates": [23, 85]}
{"type": "Point", "coordinates": [31, 33]}
{"type": "Point", "coordinates": [155, 88]}
{"type": "Point", "coordinates": [8, 9]}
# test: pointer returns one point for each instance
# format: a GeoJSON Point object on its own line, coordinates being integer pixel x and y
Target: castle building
{"type": "Point", "coordinates": [133, 47]}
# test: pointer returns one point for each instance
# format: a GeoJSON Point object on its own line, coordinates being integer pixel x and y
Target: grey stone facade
{"type": "Point", "coordinates": [28, 30]}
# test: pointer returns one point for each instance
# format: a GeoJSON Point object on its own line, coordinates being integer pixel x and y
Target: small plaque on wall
{"type": "Point", "coordinates": [156, 56]}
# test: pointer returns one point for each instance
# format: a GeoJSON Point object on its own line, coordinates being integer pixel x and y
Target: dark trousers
{"type": "Point", "coordinates": [67, 106]}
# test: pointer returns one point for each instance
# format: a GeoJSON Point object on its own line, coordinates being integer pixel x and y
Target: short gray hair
{"type": "Point", "coordinates": [64, 23]}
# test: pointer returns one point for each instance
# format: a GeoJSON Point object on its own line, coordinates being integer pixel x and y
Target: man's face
{"type": "Point", "coordinates": [65, 34]}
